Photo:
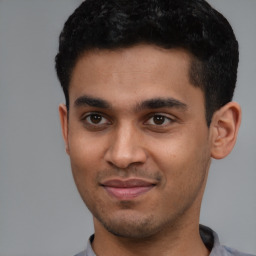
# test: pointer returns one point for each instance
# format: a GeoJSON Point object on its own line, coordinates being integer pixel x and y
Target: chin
{"type": "Point", "coordinates": [132, 226]}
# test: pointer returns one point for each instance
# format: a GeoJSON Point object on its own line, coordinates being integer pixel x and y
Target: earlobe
{"type": "Point", "coordinates": [64, 124]}
{"type": "Point", "coordinates": [224, 127]}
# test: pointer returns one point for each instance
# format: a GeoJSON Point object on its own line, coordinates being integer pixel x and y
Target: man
{"type": "Point", "coordinates": [148, 87]}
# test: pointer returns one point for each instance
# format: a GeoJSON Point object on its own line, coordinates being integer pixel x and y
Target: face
{"type": "Point", "coordinates": [137, 139]}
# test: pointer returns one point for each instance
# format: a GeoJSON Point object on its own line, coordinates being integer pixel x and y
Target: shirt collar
{"type": "Point", "coordinates": [211, 240]}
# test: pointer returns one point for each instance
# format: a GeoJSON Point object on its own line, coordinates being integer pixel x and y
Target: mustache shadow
{"type": "Point", "coordinates": [129, 172]}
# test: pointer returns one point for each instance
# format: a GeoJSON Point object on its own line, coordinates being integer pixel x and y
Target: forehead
{"type": "Point", "coordinates": [141, 59]}
{"type": "Point", "coordinates": [137, 73]}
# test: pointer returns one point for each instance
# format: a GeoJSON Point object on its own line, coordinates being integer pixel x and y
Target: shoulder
{"type": "Point", "coordinates": [211, 241]}
{"type": "Point", "coordinates": [227, 251]}
{"type": "Point", "coordinates": [88, 250]}
{"type": "Point", "coordinates": [81, 254]}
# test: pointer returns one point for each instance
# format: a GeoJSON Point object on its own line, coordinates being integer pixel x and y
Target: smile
{"type": "Point", "coordinates": [127, 189]}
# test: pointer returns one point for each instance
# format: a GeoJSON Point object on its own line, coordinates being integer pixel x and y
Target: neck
{"type": "Point", "coordinates": [174, 241]}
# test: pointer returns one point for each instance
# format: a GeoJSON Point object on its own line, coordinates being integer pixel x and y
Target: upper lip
{"type": "Point", "coordinates": [129, 183]}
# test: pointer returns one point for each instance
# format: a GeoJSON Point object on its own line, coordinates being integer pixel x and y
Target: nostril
{"type": "Point", "coordinates": [125, 147]}
{"type": "Point", "coordinates": [123, 158]}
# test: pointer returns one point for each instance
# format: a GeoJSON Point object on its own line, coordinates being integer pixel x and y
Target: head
{"type": "Point", "coordinates": [148, 86]}
{"type": "Point", "coordinates": [190, 25]}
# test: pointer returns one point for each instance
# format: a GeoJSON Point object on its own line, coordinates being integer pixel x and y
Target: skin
{"type": "Point", "coordinates": [135, 118]}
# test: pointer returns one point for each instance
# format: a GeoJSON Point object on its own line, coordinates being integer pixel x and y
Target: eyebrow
{"type": "Point", "coordinates": [92, 102]}
{"type": "Point", "coordinates": [161, 103]}
{"type": "Point", "coordinates": [154, 103]}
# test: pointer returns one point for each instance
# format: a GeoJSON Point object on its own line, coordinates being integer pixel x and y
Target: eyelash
{"type": "Point", "coordinates": [95, 126]}
{"type": "Point", "coordinates": [166, 120]}
{"type": "Point", "coordinates": [150, 122]}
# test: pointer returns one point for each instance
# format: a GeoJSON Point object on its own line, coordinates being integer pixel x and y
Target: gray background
{"type": "Point", "coordinates": [41, 212]}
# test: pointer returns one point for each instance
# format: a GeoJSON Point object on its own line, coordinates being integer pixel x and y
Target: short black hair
{"type": "Point", "coordinates": [192, 25]}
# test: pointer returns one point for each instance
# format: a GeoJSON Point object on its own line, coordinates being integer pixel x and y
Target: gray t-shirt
{"type": "Point", "coordinates": [209, 237]}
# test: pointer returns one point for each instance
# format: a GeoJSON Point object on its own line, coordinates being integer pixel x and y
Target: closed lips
{"type": "Point", "coordinates": [127, 189]}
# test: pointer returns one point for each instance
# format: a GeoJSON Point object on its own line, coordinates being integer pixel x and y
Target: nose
{"type": "Point", "coordinates": [125, 148]}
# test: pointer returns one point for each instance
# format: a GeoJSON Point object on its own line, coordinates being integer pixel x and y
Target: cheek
{"type": "Point", "coordinates": [185, 175]}
{"type": "Point", "coordinates": [83, 164]}
{"type": "Point", "coordinates": [84, 159]}
{"type": "Point", "coordinates": [182, 159]}
{"type": "Point", "coordinates": [84, 149]}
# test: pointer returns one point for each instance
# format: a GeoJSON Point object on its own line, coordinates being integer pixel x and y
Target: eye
{"type": "Point", "coordinates": [159, 120]}
{"type": "Point", "coordinates": [95, 120]}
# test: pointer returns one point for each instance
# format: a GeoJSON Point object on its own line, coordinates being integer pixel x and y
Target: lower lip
{"type": "Point", "coordinates": [127, 193]}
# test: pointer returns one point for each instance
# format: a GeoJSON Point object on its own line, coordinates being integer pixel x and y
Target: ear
{"type": "Point", "coordinates": [63, 112]}
{"type": "Point", "coordinates": [224, 129]}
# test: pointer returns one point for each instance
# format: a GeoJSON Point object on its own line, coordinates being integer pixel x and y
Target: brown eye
{"type": "Point", "coordinates": [94, 121]}
{"type": "Point", "coordinates": [95, 118]}
{"type": "Point", "coordinates": [159, 120]}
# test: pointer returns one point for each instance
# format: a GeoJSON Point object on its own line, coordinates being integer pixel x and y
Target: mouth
{"type": "Point", "coordinates": [127, 189]}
